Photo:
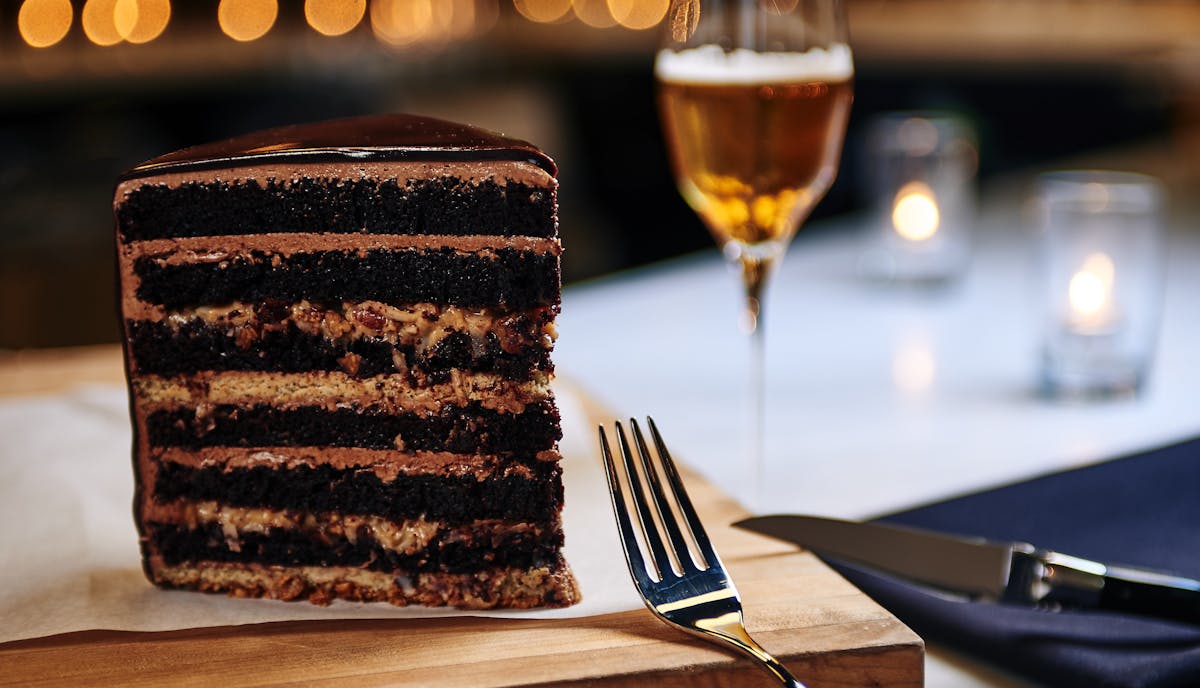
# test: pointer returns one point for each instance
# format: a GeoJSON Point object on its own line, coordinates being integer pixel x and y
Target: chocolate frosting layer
{"type": "Point", "coordinates": [384, 137]}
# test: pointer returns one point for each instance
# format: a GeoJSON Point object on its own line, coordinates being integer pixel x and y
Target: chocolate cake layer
{"type": "Point", "coordinates": [448, 552]}
{"type": "Point", "coordinates": [534, 493]}
{"type": "Point", "coordinates": [432, 206]}
{"type": "Point", "coordinates": [460, 430]}
{"type": "Point", "coordinates": [518, 588]}
{"type": "Point", "coordinates": [510, 280]}
{"type": "Point", "coordinates": [385, 463]}
{"type": "Point", "coordinates": [172, 348]}
{"type": "Point", "coordinates": [408, 537]}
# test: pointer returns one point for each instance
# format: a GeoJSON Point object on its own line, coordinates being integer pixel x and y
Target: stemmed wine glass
{"type": "Point", "coordinates": [754, 97]}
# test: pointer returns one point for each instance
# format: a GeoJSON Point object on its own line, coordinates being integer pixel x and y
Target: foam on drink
{"type": "Point", "coordinates": [712, 64]}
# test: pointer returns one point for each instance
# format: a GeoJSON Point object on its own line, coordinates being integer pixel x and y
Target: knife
{"type": "Point", "coordinates": [982, 569]}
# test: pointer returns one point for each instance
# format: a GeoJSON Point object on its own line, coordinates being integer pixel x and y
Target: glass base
{"type": "Point", "coordinates": [1090, 378]}
{"type": "Point", "coordinates": [911, 270]}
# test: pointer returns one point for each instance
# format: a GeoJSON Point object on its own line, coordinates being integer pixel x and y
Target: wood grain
{"type": "Point", "coordinates": [46, 371]}
{"type": "Point", "coordinates": [824, 629]}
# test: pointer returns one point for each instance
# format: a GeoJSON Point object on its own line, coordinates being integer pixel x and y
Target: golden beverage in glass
{"type": "Point", "coordinates": [754, 150]}
{"type": "Point", "coordinates": [754, 98]}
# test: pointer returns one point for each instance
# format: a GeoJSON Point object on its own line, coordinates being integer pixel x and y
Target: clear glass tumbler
{"type": "Point", "coordinates": [922, 167]}
{"type": "Point", "coordinates": [1101, 248]}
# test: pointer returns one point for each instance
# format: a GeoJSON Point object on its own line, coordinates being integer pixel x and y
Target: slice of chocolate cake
{"type": "Point", "coordinates": [337, 338]}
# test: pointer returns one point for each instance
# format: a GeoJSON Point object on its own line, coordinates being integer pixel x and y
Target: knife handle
{"type": "Point", "coordinates": [1066, 581]}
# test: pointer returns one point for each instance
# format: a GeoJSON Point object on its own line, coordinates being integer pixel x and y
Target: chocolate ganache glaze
{"type": "Point", "coordinates": [386, 137]}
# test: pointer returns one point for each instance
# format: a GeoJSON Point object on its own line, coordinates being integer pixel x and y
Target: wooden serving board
{"type": "Point", "coordinates": [824, 629]}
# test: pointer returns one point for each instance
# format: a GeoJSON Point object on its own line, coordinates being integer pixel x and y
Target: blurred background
{"type": "Point", "coordinates": [90, 88]}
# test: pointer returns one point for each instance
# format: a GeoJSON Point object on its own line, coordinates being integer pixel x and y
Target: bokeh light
{"type": "Point", "coordinates": [99, 22]}
{"type": "Point", "coordinates": [246, 20]}
{"type": "Point", "coordinates": [43, 23]}
{"type": "Point", "coordinates": [125, 17]}
{"type": "Point", "coordinates": [638, 14]}
{"type": "Point", "coordinates": [487, 15]}
{"type": "Point", "coordinates": [463, 20]}
{"type": "Point", "coordinates": [594, 13]}
{"type": "Point", "coordinates": [442, 18]}
{"type": "Point", "coordinates": [543, 11]}
{"type": "Point", "coordinates": [915, 212]}
{"type": "Point", "coordinates": [401, 22]}
{"type": "Point", "coordinates": [334, 17]}
{"type": "Point", "coordinates": [405, 22]}
{"type": "Point", "coordinates": [150, 19]}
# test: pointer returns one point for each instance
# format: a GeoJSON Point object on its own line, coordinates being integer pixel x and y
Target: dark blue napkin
{"type": "Point", "coordinates": [1141, 510]}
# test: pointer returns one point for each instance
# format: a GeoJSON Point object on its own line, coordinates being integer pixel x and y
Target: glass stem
{"type": "Point", "coordinates": [755, 274]}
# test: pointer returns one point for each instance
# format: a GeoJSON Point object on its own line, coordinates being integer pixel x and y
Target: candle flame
{"type": "Point", "coordinates": [1090, 287]}
{"type": "Point", "coordinates": [915, 212]}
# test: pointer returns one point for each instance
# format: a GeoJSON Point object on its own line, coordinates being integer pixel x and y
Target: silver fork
{"type": "Point", "coordinates": [695, 596]}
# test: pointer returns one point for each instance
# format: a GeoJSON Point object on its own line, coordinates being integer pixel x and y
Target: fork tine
{"type": "Point", "coordinates": [633, 554]}
{"type": "Point", "coordinates": [653, 539]}
{"type": "Point", "coordinates": [681, 497]}
{"type": "Point", "coordinates": [662, 501]}
{"type": "Point", "coordinates": [701, 601]}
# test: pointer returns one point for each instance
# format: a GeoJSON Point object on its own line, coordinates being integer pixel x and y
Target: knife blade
{"type": "Point", "coordinates": [983, 569]}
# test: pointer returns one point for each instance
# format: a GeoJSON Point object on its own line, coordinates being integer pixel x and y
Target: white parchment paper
{"type": "Point", "coordinates": [69, 558]}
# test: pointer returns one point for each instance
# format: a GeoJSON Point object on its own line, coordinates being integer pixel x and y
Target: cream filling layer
{"type": "Point", "coordinates": [250, 574]}
{"type": "Point", "coordinates": [503, 587]}
{"type": "Point", "coordinates": [216, 249]}
{"type": "Point", "coordinates": [421, 325]}
{"type": "Point", "coordinates": [387, 464]}
{"type": "Point", "coordinates": [404, 537]}
{"type": "Point", "coordinates": [335, 390]}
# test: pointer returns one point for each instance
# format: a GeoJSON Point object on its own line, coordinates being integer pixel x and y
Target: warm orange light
{"type": "Point", "coordinates": [463, 20]}
{"type": "Point", "coordinates": [150, 18]}
{"type": "Point", "coordinates": [99, 22]}
{"type": "Point", "coordinates": [638, 14]}
{"type": "Point", "coordinates": [400, 22]}
{"type": "Point", "coordinates": [125, 17]}
{"type": "Point", "coordinates": [487, 14]}
{"type": "Point", "coordinates": [915, 213]}
{"type": "Point", "coordinates": [246, 20]}
{"type": "Point", "coordinates": [334, 17]}
{"type": "Point", "coordinates": [543, 11]}
{"type": "Point", "coordinates": [594, 13]}
{"type": "Point", "coordinates": [43, 23]}
{"type": "Point", "coordinates": [443, 17]}
{"type": "Point", "coordinates": [780, 7]}
{"type": "Point", "coordinates": [1089, 293]}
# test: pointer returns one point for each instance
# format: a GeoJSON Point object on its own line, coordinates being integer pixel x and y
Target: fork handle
{"type": "Point", "coordinates": [736, 635]}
